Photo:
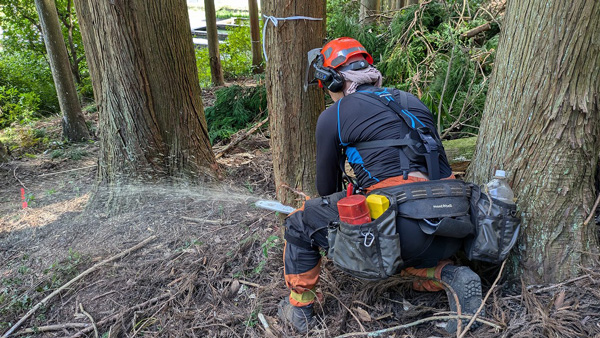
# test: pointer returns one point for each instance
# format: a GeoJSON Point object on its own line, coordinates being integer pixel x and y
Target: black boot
{"type": "Point", "coordinates": [301, 318]}
{"type": "Point", "coordinates": [467, 286]}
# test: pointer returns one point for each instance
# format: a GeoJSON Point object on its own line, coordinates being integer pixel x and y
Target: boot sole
{"type": "Point", "coordinates": [467, 286]}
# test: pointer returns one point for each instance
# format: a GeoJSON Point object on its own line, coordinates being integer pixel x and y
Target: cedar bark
{"type": "Point", "coordinates": [73, 123]}
{"type": "Point", "coordinates": [542, 125]}
{"type": "Point", "coordinates": [3, 152]}
{"type": "Point", "coordinates": [293, 112]}
{"type": "Point", "coordinates": [255, 37]}
{"type": "Point", "coordinates": [151, 118]}
{"type": "Point", "coordinates": [216, 71]}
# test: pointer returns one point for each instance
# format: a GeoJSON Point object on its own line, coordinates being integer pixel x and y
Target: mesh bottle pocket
{"type": "Point", "coordinates": [497, 230]}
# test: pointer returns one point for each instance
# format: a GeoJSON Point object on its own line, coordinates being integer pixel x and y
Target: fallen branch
{"type": "Point", "coordinates": [471, 33]}
{"type": "Point", "coordinates": [120, 314]}
{"type": "Point", "coordinates": [216, 324]}
{"type": "Point", "coordinates": [199, 220]}
{"type": "Point", "coordinates": [242, 282]}
{"type": "Point", "coordinates": [81, 275]}
{"type": "Point", "coordinates": [456, 301]}
{"type": "Point", "coordinates": [420, 321]}
{"type": "Point", "coordinates": [55, 327]}
{"type": "Point", "coordinates": [102, 295]}
{"type": "Point", "coordinates": [549, 287]}
{"type": "Point", "coordinates": [350, 311]}
{"type": "Point", "coordinates": [241, 138]}
{"type": "Point", "coordinates": [487, 295]}
{"type": "Point", "coordinates": [91, 320]}
{"type": "Point", "coordinates": [15, 175]}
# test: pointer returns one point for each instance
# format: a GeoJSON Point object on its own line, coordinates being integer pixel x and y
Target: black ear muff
{"type": "Point", "coordinates": [337, 82]}
{"type": "Point", "coordinates": [330, 79]}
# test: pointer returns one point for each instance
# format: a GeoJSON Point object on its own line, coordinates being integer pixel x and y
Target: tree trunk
{"type": "Point", "coordinates": [368, 11]}
{"type": "Point", "coordinates": [3, 152]}
{"type": "Point", "coordinates": [216, 72]}
{"type": "Point", "coordinates": [74, 127]}
{"type": "Point", "coordinates": [255, 36]}
{"type": "Point", "coordinates": [542, 125]}
{"type": "Point", "coordinates": [293, 112]}
{"type": "Point", "coordinates": [142, 65]}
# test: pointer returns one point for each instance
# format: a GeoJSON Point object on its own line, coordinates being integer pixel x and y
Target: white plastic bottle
{"type": "Point", "coordinates": [499, 189]}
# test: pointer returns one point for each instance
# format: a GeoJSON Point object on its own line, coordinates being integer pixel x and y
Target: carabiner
{"type": "Point", "coordinates": [369, 238]}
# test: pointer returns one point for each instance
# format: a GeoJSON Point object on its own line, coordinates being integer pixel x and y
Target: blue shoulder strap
{"type": "Point", "coordinates": [430, 142]}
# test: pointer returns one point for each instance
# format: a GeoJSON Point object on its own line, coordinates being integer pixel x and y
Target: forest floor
{"type": "Point", "coordinates": [209, 263]}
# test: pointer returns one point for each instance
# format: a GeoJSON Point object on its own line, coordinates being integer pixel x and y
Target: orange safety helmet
{"type": "Point", "coordinates": [336, 52]}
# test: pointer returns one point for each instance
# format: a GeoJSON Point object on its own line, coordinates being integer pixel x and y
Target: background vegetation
{"type": "Point", "coordinates": [419, 49]}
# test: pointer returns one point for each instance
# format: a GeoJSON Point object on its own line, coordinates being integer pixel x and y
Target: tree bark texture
{"type": "Point", "coordinates": [3, 153]}
{"type": "Point", "coordinates": [368, 11]}
{"type": "Point", "coordinates": [293, 112]}
{"type": "Point", "coordinates": [74, 127]}
{"type": "Point", "coordinates": [151, 118]}
{"type": "Point", "coordinates": [255, 37]}
{"type": "Point", "coordinates": [216, 71]}
{"type": "Point", "coordinates": [542, 125]}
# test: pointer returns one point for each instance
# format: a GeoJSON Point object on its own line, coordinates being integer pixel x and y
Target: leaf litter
{"type": "Point", "coordinates": [215, 267]}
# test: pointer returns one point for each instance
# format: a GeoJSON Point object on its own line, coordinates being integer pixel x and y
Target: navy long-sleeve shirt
{"type": "Point", "coordinates": [352, 120]}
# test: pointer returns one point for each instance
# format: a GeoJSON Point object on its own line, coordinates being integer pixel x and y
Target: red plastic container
{"type": "Point", "coordinates": [354, 210]}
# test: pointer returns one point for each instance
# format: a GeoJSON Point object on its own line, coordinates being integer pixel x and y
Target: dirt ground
{"type": "Point", "coordinates": [210, 264]}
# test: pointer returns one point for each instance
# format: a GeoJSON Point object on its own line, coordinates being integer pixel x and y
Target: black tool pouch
{"type": "Point", "coordinates": [440, 207]}
{"type": "Point", "coordinates": [497, 228]}
{"type": "Point", "coordinates": [368, 251]}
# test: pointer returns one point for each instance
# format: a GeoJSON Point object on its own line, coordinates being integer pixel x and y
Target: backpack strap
{"type": "Point", "coordinates": [426, 136]}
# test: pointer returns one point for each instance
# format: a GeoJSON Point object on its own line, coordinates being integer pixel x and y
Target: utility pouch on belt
{"type": "Point", "coordinates": [368, 251]}
{"type": "Point", "coordinates": [440, 207]}
{"type": "Point", "coordinates": [497, 228]}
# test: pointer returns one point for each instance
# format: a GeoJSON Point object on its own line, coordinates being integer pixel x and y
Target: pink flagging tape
{"type": "Point", "coordinates": [24, 202]}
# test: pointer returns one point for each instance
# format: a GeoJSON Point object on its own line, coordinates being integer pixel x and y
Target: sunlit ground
{"type": "Point", "coordinates": [33, 217]}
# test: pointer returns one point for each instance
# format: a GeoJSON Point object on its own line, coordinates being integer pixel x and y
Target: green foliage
{"type": "Point", "coordinates": [203, 65]}
{"type": "Point", "coordinates": [27, 89]}
{"type": "Point", "coordinates": [61, 272]}
{"type": "Point", "coordinates": [23, 139]}
{"type": "Point", "coordinates": [425, 55]}
{"type": "Point", "coordinates": [20, 25]}
{"type": "Point", "coordinates": [271, 242]}
{"type": "Point", "coordinates": [342, 20]}
{"type": "Point", "coordinates": [27, 86]}
{"type": "Point", "coordinates": [420, 50]}
{"type": "Point", "coordinates": [235, 108]}
{"type": "Point", "coordinates": [236, 52]}
{"type": "Point", "coordinates": [236, 56]}
{"type": "Point", "coordinates": [228, 12]}
{"type": "Point", "coordinates": [17, 295]}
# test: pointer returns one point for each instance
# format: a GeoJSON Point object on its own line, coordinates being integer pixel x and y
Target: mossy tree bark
{"type": "Point", "coordinates": [151, 119]}
{"type": "Point", "coordinates": [293, 112]}
{"type": "Point", "coordinates": [542, 125]}
{"type": "Point", "coordinates": [216, 71]}
{"type": "Point", "coordinates": [73, 123]}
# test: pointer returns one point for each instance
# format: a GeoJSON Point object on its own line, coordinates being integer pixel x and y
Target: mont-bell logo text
{"type": "Point", "coordinates": [442, 206]}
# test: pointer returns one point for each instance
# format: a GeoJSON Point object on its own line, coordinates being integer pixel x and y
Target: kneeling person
{"type": "Point", "coordinates": [344, 68]}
